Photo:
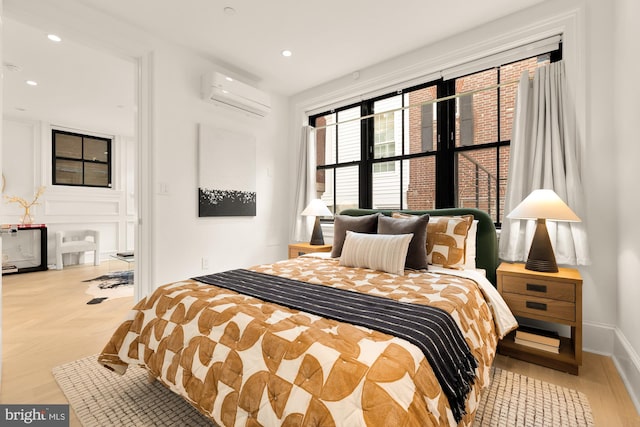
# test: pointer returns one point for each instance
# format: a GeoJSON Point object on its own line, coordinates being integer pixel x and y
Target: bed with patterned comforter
{"type": "Point", "coordinates": [244, 361]}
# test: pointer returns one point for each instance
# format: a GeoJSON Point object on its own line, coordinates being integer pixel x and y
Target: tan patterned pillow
{"type": "Point", "coordinates": [447, 240]}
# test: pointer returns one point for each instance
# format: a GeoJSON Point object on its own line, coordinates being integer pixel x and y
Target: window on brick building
{"type": "Point", "coordinates": [384, 144]}
{"type": "Point", "coordinates": [410, 152]}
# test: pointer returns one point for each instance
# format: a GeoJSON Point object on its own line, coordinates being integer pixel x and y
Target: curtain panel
{"type": "Point", "coordinates": [545, 154]}
{"type": "Point", "coordinates": [306, 184]}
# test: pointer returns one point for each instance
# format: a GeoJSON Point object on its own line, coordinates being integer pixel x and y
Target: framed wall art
{"type": "Point", "coordinates": [226, 173]}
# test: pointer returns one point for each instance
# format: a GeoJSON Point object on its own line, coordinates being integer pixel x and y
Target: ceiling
{"type": "Point", "coordinates": [329, 39]}
{"type": "Point", "coordinates": [78, 87]}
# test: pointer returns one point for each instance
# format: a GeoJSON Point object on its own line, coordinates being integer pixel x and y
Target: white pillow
{"type": "Point", "coordinates": [384, 252]}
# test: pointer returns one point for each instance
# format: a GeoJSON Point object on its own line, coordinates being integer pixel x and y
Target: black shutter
{"type": "Point", "coordinates": [466, 120]}
{"type": "Point", "coordinates": [426, 119]}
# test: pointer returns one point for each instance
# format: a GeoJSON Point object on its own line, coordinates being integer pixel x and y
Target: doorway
{"type": "Point", "coordinates": [56, 84]}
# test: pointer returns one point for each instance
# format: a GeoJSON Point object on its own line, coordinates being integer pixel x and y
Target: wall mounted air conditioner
{"type": "Point", "coordinates": [220, 88]}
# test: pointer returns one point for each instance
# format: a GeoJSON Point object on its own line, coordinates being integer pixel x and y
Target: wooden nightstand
{"type": "Point", "coordinates": [297, 249]}
{"type": "Point", "coordinates": [551, 297]}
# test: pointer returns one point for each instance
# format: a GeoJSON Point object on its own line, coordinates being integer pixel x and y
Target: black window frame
{"type": "Point", "coordinates": [54, 158]}
{"type": "Point", "coordinates": [445, 151]}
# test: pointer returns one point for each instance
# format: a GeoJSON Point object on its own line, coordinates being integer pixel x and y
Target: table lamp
{"type": "Point", "coordinates": [316, 208]}
{"type": "Point", "coordinates": [543, 205]}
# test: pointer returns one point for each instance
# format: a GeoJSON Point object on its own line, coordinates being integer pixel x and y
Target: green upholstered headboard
{"type": "Point", "coordinates": [486, 238]}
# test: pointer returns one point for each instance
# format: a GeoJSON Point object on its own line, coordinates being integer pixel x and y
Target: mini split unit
{"type": "Point", "coordinates": [220, 88]}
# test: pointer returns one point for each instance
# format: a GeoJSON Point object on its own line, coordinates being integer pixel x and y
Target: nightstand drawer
{"type": "Point", "coordinates": [543, 288]}
{"type": "Point", "coordinates": [523, 305]}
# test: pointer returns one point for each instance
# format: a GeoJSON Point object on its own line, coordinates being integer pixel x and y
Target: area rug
{"type": "Point", "coordinates": [102, 398]}
{"type": "Point", "coordinates": [117, 284]}
{"type": "Point", "coordinates": [518, 400]}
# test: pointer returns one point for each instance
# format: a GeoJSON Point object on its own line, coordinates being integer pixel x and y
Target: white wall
{"type": "Point", "coordinates": [26, 163]}
{"type": "Point", "coordinates": [599, 289]}
{"type": "Point", "coordinates": [625, 137]}
{"type": "Point", "coordinates": [610, 297]}
{"type": "Point", "coordinates": [1, 141]}
{"type": "Point", "coordinates": [181, 238]}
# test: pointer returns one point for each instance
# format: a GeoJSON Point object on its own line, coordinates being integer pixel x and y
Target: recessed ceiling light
{"type": "Point", "coordinates": [287, 53]}
{"type": "Point", "coordinates": [31, 83]}
{"type": "Point", "coordinates": [229, 79]}
{"type": "Point", "coordinates": [54, 38]}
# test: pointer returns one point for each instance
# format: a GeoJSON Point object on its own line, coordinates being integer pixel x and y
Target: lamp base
{"type": "Point", "coordinates": [316, 237]}
{"type": "Point", "coordinates": [541, 257]}
{"type": "Point", "coordinates": [541, 266]}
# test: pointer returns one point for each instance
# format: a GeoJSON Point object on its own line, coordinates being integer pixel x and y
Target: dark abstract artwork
{"type": "Point", "coordinates": [227, 170]}
{"type": "Point", "coordinates": [226, 202]}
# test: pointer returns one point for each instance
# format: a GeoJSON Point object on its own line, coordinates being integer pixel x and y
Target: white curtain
{"type": "Point", "coordinates": [545, 154]}
{"type": "Point", "coordinates": [306, 184]}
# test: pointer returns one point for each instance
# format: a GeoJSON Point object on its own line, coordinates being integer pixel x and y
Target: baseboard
{"type": "Point", "coordinates": [608, 340]}
{"type": "Point", "coordinates": [627, 362]}
{"type": "Point", "coordinates": [598, 338]}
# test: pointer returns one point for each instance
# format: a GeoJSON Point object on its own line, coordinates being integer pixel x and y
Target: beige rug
{"type": "Point", "coordinates": [517, 400]}
{"type": "Point", "coordinates": [102, 398]}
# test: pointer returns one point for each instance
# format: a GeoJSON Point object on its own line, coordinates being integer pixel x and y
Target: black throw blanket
{"type": "Point", "coordinates": [429, 328]}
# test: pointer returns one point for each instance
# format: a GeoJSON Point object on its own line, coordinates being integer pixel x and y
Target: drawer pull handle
{"type": "Point", "coordinates": [536, 288]}
{"type": "Point", "coordinates": [537, 305]}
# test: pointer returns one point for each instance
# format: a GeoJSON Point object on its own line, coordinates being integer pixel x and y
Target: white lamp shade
{"type": "Point", "coordinates": [316, 208]}
{"type": "Point", "coordinates": [544, 204]}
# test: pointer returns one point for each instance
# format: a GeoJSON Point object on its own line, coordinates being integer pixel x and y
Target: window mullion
{"type": "Point", "coordinates": [334, 171]}
{"type": "Point", "coordinates": [82, 160]}
{"type": "Point", "coordinates": [445, 157]}
{"type": "Point", "coordinates": [499, 127]}
{"type": "Point", "coordinates": [366, 154]}
{"type": "Point", "coordinates": [401, 162]}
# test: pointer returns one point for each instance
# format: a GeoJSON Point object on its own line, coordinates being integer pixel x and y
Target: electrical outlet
{"type": "Point", "coordinates": [163, 188]}
{"type": "Point", "coordinates": [205, 263]}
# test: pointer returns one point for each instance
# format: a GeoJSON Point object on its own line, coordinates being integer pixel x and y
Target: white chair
{"type": "Point", "coordinates": [77, 242]}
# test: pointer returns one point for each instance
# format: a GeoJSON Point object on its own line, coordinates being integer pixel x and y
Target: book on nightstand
{"type": "Point", "coordinates": [536, 335]}
{"type": "Point", "coordinates": [533, 344]}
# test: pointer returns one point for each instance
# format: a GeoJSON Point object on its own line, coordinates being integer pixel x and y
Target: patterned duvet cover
{"type": "Point", "coordinates": [245, 362]}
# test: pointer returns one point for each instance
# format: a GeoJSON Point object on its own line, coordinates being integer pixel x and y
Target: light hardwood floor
{"type": "Point", "coordinates": [46, 322]}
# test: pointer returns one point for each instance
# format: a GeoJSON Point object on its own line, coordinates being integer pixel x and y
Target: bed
{"type": "Point", "coordinates": [372, 334]}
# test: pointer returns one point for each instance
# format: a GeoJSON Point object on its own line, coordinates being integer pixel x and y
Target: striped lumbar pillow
{"type": "Point", "coordinates": [384, 252]}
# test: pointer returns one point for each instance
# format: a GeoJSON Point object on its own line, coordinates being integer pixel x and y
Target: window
{"type": "Point", "coordinates": [81, 160]}
{"type": "Point", "coordinates": [410, 151]}
{"type": "Point", "coordinates": [384, 141]}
